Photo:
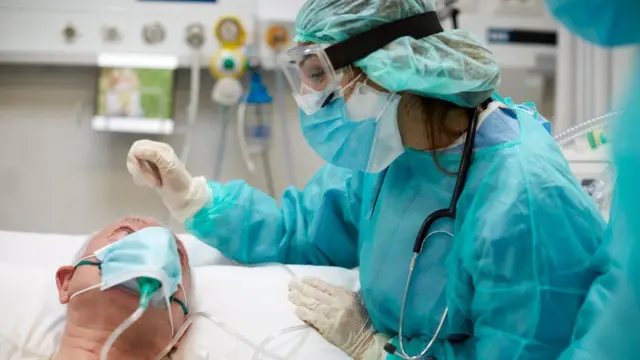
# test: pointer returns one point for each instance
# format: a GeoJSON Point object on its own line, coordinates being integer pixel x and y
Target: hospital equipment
{"type": "Point", "coordinates": [584, 146]}
{"type": "Point", "coordinates": [583, 129]}
{"type": "Point", "coordinates": [194, 36]}
{"type": "Point", "coordinates": [278, 38]}
{"type": "Point", "coordinates": [227, 66]}
{"type": "Point", "coordinates": [255, 115]}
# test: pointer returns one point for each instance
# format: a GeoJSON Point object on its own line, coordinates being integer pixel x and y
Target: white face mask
{"type": "Point", "coordinates": [366, 102]}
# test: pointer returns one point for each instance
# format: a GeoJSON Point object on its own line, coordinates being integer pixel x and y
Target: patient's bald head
{"type": "Point", "coordinates": [97, 313]}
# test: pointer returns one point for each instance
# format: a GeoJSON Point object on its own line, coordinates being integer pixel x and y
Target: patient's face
{"type": "Point", "coordinates": [108, 309]}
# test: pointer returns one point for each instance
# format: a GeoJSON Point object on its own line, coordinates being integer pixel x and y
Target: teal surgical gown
{"type": "Point", "coordinates": [513, 277]}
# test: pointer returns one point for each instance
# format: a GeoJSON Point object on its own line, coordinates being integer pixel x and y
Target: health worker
{"type": "Point", "coordinates": [473, 238]}
{"type": "Point", "coordinates": [607, 326]}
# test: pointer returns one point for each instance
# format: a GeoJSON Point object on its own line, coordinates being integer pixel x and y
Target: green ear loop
{"type": "Point", "coordinates": [173, 298]}
{"type": "Point", "coordinates": [182, 305]}
{"type": "Point", "coordinates": [89, 262]}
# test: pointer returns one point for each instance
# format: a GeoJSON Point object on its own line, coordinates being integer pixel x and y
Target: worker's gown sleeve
{"type": "Point", "coordinates": [522, 263]}
{"type": "Point", "coordinates": [616, 23]}
{"type": "Point", "coordinates": [607, 327]}
{"type": "Point", "coordinates": [317, 225]}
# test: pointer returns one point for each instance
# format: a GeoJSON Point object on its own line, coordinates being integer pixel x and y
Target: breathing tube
{"type": "Point", "coordinates": [259, 349]}
{"type": "Point", "coordinates": [584, 128]}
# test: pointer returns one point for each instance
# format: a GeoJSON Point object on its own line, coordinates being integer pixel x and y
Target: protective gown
{"type": "Point", "coordinates": [513, 277]}
{"type": "Point", "coordinates": [607, 325]}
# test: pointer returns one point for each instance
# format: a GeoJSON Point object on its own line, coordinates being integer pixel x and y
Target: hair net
{"type": "Point", "coordinates": [452, 65]}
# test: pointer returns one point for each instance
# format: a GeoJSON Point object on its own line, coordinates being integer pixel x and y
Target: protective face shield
{"type": "Point", "coordinates": [148, 253]}
{"type": "Point", "coordinates": [314, 71]}
{"type": "Point", "coordinates": [360, 134]}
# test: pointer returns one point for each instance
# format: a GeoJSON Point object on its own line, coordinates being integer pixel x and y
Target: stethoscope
{"type": "Point", "coordinates": [423, 235]}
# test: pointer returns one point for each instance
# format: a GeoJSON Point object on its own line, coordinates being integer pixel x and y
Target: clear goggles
{"type": "Point", "coordinates": [312, 77]}
{"type": "Point", "coordinates": [314, 72]}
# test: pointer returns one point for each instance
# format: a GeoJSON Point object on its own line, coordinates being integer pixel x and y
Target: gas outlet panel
{"type": "Point", "coordinates": [75, 32]}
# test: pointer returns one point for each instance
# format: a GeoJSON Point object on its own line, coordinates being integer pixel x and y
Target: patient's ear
{"type": "Point", "coordinates": [63, 279]}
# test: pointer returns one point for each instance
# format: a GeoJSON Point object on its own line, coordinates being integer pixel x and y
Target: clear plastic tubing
{"type": "Point", "coordinates": [582, 129]}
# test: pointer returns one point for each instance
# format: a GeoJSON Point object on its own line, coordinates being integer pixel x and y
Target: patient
{"type": "Point", "coordinates": [93, 315]}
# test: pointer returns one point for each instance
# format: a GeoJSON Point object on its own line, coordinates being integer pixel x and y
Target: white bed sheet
{"type": "Point", "coordinates": [253, 301]}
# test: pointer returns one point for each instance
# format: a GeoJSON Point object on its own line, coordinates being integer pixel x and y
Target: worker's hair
{"type": "Point", "coordinates": [433, 112]}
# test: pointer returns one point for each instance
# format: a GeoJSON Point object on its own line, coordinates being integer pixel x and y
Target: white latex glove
{"type": "Point", "coordinates": [338, 316]}
{"type": "Point", "coordinates": [155, 164]}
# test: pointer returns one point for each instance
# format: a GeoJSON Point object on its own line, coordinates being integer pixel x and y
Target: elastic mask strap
{"type": "Point", "coordinates": [89, 262]}
{"type": "Point", "coordinates": [351, 83]}
{"type": "Point", "coordinates": [93, 287]}
{"type": "Point", "coordinates": [83, 262]}
{"type": "Point", "coordinates": [182, 305]}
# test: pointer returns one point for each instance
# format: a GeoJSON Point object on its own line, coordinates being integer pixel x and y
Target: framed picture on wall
{"type": "Point", "coordinates": [135, 94]}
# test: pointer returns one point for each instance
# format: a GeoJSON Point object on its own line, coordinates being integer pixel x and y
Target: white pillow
{"type": "Point", "coordinates": [31, 318]}
{"type": "Point", "coordinates": [253, 301]}
{"type": "Point", "coordinates": [42, 249]}
{"type": "Point", "coordinates": [56, 249]}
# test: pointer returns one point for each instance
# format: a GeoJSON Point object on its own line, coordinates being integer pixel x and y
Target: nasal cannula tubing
{"type": "Point", "coordinates": [119, 330]}
{"type": "Point", "coordinates": [148, 287]}
{"type": "Point", "coordinates": [258, 349]}
{"type": "Point", "coordinates": [268, 339]}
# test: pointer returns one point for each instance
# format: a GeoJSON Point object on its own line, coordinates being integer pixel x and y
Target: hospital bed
{"type": "Point", "coordinates": [252, 301]}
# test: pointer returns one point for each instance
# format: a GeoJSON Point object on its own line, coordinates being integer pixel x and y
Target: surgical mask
{"type": "Point", "coordinates": [148, 253]}
{"type": "Point", "coordinates": [310, 100]}
{"type": "Point", "coordinates": [359, 134]}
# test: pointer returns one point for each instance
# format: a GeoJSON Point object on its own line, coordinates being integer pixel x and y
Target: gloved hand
{"type": "Point", "coordinates": [155, 164]}
{"type": "Point", "coordinates": [338, 316]}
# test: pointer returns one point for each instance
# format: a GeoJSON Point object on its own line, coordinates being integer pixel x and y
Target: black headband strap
{"type": "Point", "coordinates": [359, 46]}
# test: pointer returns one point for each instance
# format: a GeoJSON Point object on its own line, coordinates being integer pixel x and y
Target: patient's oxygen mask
{"type": "Point", "coordinates": [145, 262]}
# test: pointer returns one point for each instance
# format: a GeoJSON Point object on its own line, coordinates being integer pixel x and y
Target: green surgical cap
{"type": "Point", "coordinates": [452, 65]}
